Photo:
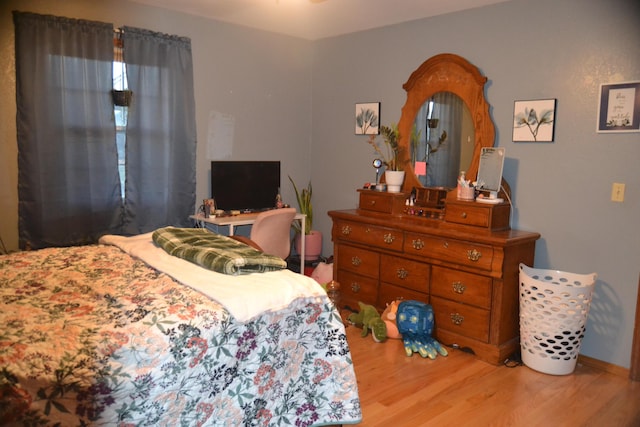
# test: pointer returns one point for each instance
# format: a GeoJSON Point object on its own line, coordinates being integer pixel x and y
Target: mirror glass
{"type": "Point", "coordinates": [444, 140]}
{"type": "Point", "coordinates": [451, 89]}
{"type": "Point", "coordinates": [490, 170]}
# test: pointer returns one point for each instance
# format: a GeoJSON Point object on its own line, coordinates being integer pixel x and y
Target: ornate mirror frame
{"type": "Point", "coordinates": [445, 73]}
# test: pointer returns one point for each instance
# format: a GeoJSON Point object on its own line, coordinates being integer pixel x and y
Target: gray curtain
{"type": "Point", "coordinates": [161, 131]}
{"type": "Point", "coordinates": [69, 189]}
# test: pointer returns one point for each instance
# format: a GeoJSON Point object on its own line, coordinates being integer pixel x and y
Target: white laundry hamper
{"type": "Point", "coordinates": [554, 306]}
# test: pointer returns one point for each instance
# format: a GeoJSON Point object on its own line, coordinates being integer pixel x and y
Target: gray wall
{"type": "Point", "coordinates": [561, 49]}
{"type": "Point", "coordinates": [293, 100]}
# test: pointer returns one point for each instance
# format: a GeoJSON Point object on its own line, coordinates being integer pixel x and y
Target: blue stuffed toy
{"type": "Point", "coordinates": [415, 323]}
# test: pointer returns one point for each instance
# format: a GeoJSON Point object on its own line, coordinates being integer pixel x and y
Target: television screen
{"type": "Point", "coordinates": [245, 185]}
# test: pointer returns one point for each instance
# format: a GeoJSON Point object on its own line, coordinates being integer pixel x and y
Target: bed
{"type": "Point", "coordinates": [121, 333]}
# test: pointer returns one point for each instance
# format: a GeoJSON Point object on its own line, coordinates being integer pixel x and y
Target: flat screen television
{"type": "Point", "coordinates": [245, 185]}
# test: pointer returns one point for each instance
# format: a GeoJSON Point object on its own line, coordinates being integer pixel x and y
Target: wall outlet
{"type": "Point", "coordinates": [617, 192]}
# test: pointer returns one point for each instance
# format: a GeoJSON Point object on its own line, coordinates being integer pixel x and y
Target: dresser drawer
{"type": "Point", "coordinates": [377, 202]}
{"type": "Point", "coordinates": [462, 287]}
{"type": "Point", "coordinates": [383, 202]}
{"type": "Point", "coordinates": [494, 217]}
{"type": "Point", "coordinates": [406, 273]}
{"type": "Point", "coordinates": [450, 250]}
{"type": "Point", "coordinates": [389, 292]}
{"type": "Point", "coordinates": [461, 319]}
{"type": "Point", "coordinates": [381, 237]}
{"type": "Point", "coordinates": [360, 261]}
{"type": "Point", "coordinates": [355, 288]}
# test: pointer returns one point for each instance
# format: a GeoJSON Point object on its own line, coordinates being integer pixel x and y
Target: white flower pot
{"type": "Point", "coordinates": [394, 180]}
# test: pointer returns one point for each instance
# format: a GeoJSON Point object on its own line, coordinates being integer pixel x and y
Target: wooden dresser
{"type": "Point", "coordinates": [463, 261]}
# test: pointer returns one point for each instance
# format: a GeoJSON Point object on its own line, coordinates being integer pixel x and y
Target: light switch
{"type": "Point", "coordinates": [617, 192]}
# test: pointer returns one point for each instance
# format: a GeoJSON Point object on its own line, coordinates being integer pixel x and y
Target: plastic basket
{"type": "Point", "coordinates": [554, 306]}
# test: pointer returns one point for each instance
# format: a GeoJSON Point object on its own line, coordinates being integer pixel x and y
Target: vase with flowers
{"type": "Point", "coordinates": [390, 156]}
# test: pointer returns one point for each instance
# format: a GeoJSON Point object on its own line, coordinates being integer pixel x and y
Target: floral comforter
{"type": "Point", "coordinates": [93, 336]}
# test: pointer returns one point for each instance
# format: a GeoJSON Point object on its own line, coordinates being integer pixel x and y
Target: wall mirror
{"type": "Point", "coordinates": [444, 140]}
{"type": "Point", "coordinates": [446, 106]}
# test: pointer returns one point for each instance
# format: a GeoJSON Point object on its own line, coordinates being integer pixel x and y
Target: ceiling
{"type": "Point", "coordinates": [317, 19]}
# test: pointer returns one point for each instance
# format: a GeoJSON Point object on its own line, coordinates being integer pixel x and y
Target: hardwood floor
{"type": "Point", "coordinates": [459, 390]}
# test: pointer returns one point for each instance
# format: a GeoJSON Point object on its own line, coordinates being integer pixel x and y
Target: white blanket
{"type": "Point", "coordinates": [245, 297]}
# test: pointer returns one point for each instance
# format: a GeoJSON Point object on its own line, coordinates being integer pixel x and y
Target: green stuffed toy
{"type": "Point", "coordinates": [369, 318]}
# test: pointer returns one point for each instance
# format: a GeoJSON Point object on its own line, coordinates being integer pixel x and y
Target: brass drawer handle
{"type": "Point", "coordinates": [463, 215]}
{"type": "Point", "coordinates": [458, 287]}
{"type": "Point", "coordinates": [355, 287]}
{"type": "Point", "coordinates": [346, 230]}
{"type": "Point", "coordinates": [388, 238]}
{"type": "Point", "coordinates": [417, 244]}
{"type": "Point", "coordinates": [473, 255]}
{"type": "Point", "coordinates": [445, 245]}
{"type": "Point", "coordinates": [457, 319]}
{"type": "Point", "coordinates": [402, 273]}
{"type": "Point", "coordinates": [356, 261]}
{"type": "Point", "coordinates": [372, 202]}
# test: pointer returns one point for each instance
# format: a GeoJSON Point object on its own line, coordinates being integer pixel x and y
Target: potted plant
{"type": "Point", "coordinates": [313, 238]}
{"type": "Point", "coordinates": [390, 156]}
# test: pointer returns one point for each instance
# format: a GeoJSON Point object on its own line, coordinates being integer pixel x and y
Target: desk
{"type": "Point", "coordinates": [248, 219]}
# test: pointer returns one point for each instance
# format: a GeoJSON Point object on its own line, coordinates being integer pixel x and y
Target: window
{"type": "Point", "coordinates": [82, 175]}
{"type": "Point", "coordinates": [121, 85]}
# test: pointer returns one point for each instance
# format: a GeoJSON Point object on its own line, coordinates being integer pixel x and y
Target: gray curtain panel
{"type": "Point", "coordinates": [69, 186]}
{"type": "Point", "coordinates": [69, 189]}
{"type": "Point", "coordinates": [161, 131]}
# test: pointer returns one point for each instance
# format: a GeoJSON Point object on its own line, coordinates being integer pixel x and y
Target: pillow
{"type": "Point", "coordinates": [323, 273]}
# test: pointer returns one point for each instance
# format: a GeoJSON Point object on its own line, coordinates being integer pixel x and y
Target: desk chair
{"type": "Point", "coordinates": [271, 231]}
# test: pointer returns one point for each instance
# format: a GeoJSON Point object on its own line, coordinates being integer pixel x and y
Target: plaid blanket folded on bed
{"type": "Point", "coordinates": [215, 252]}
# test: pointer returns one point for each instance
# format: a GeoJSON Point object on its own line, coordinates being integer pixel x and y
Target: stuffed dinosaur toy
{"type": "Point", "coordinates": [369, 318]}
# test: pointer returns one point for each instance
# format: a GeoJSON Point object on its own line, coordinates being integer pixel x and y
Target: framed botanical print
{"type": "Point", "coordinates": [368, 118]}
{"type": "Point", "coordinates": [533, 121]}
